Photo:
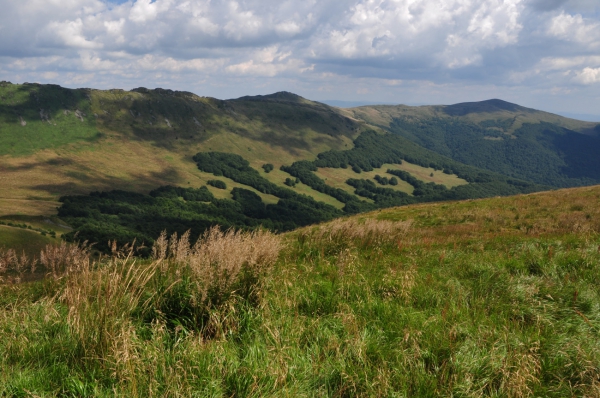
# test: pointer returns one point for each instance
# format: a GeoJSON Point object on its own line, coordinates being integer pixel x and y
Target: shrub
{"type": "Point", "coordinates": [217, 184]}
{"type": "Point", "coordinates": [267, 167]}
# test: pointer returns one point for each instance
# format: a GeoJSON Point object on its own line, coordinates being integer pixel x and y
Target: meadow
{"type": "Point", "coordinates": [495, 297]}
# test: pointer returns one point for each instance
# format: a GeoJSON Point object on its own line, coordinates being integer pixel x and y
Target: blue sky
{"type": "Point", "coordinates": [543, 54]}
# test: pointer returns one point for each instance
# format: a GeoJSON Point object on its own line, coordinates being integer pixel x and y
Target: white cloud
{"type": "Point", "coordinates": [146, 10]}
{"type": "Point", "coordinates": [575, 28]}
{"type": "Point", "coordinates": [71, 34]}
{"type": "Point", "coordinates": [543, 45]}
{"type": "Point", "coordinates": [588, 76]}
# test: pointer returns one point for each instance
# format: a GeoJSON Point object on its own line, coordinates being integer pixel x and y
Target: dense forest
{"type": "Point", "coordinates": [128, 216]}
{"type": "Point", "coordinates": [543, 153]}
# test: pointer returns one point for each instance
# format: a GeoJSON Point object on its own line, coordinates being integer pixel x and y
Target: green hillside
{"type": "Point", "coordinates": [496, 135]}
{"type": "Point", "coordinates": [285, 161]}
{"type": "Point", "coordinates": [495, 297]}
{"type": "Point", "coordinates": [56, 141]}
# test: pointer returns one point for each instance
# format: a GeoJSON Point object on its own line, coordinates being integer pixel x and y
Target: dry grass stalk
{"type": "Point", "coordinates": [368, 232]}
{"type": "Point", "coordinates": [65, 258]}
{"type": "Point", "coordinates": [8, 259]}
{"type": "Point", "coordinates": [520, 371]}
{"type": "Point", "coordinates": [101, 301]}
{"type": "Point", "coordinates": [219, 259]}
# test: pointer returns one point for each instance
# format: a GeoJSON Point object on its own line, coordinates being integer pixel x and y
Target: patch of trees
{"type": "Point", "coordinates": [383, 197]}
{"type": "Point", "coordinates": [303, 170]}
{"type": "Point", "coordinates": [127, 216]}
{"type": "Point", "coordinates": [238, 169]}
{"type": "Point", "coordinates": [267, 167]}
{"type": "Point", "coordinates": [421, 188]}
{"type": "Point", "coordinates": [217, 184]}
{"type": "Point", "coordinates": [386, 181]}
{"type": "Point", "coordinates": [291, 182]}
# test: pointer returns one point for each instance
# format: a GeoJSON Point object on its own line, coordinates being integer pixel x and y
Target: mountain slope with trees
{"type": "Point", "coordinates": [499, 136]}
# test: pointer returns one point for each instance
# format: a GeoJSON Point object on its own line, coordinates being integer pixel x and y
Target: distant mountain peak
{"type": "Point", "coordinates": [487, 106]}
{"type": "Point", "coordinates": [280, 96]}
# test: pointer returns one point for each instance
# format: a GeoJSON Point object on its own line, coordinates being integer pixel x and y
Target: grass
{"type": "Point", "coordinates": [30, 207]}
{"type": "Point", "coordinates": [23, 240]}
{"type": "Point", "coordinates": [496, 297]}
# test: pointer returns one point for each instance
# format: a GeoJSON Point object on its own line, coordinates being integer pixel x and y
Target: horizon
{"type": "Point", "coordinates": [353, 104]}
{"type": "Point", "coordinates": [538, 53]}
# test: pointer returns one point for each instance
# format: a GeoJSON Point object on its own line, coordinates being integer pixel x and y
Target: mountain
{"type": "Point", "coordinates": [126, 165]}
{"type": "Point", "coordinates": [499, 136]}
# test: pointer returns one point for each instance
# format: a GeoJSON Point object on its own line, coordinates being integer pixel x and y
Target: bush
{"type": "Point", "coordinates": [267, 167]}
{"type": "Point", "coordinates": [217, 184]}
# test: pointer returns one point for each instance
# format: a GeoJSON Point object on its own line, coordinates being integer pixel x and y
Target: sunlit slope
{"type": "Point", "coordinates": [500, 136]}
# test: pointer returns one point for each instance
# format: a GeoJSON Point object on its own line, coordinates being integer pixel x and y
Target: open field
{"type": "Point", "coordinates": [493, 297]}
{"type": "Point", "coordinates": [424, 174]}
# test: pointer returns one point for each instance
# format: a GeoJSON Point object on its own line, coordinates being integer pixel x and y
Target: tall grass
{"type": "Point", "coordinates": [443, 305]}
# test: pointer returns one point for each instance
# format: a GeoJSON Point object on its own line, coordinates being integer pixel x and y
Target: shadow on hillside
{"type": "Point", "coordinates": [42, 99]}
{"type": "Point", "coordinates": [56, 162]}
{"type": "Point", "coordinates": [581, 153]}
{"type": "Point", "coordinates": [85, 183]}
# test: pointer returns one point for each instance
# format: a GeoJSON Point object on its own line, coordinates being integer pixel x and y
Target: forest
{"type": "Point", "coordinates": [543, 153]}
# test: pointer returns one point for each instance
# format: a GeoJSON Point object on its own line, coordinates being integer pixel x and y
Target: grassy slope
{"type": "Point", "coordinates": [494, 297]}
{"type": "Point", "coordinates": [23, 240]}
{"type": "Point", "coordinates": [337, 177]}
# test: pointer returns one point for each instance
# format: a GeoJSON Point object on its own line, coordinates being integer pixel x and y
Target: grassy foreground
{"type": "Point", "coordinates": [495, 297]}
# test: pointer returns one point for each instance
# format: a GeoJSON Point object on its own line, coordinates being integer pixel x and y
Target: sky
{"type": "Point", "coordinates": [543, 54]}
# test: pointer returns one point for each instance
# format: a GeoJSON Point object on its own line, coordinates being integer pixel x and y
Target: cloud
{"type": "Point", "coordinates": [575, 28]}
{"type": "Point", "coordinates": [588, 76]}
{"type": "Point", "coordinates": [237, 46]}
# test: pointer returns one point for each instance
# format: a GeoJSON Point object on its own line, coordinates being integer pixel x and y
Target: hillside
{"type": "Point", "coordinates": [126, 165]}
{"type": "Point", "coordinates": [56, 141]}
{"type": "Point", "coordinates": [499, 136]}
{"type": "Point", "coordinates": [276, 160]}
{"type": "Point", "coordinates": [492, 297]}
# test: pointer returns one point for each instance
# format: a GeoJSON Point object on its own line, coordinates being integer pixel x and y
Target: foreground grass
{"type": "Point", "coordinates": [497, 297]}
